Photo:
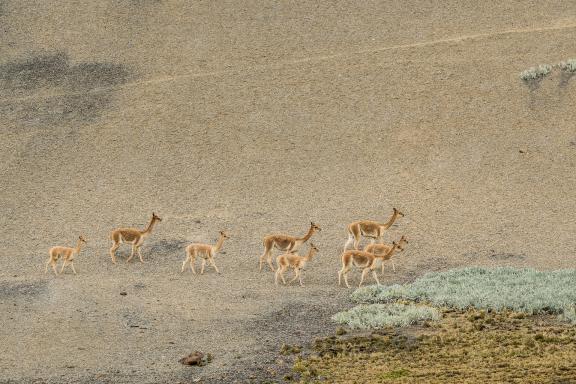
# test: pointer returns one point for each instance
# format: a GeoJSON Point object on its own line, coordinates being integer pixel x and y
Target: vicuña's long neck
{"type": "Point", "coordinates": [391, 221]}
{"type": "Point", "coordinates": [149, 227]}
{"type": "Point", "coordinates": [218, 245]}
{"type": "Point", "coordinates": [307, 235]}
{"type": "Point", "coordinates": [390, 253]}
{"type": "Point", "coordinates": [78, 245]}
{"type": "Point", "coordinates": [310, 254]}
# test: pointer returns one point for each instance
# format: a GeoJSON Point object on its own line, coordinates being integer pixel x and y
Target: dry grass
{"type": "Point", "coordinates": [466, 347]}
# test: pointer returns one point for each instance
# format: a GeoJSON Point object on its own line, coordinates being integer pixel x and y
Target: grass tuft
{"type": "Point", "coordinates": [536, 73]}
{"type": "Point", "coordinates": [568, 65]}
{"type": "Point", "coordinates": [520, 290]}
{"type": "Point", "coordinates": [383, 315]}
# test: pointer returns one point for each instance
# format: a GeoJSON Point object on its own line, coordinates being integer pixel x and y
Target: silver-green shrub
{"type": "Point", "coordinates": [536, 73]}
{"type": "Point", "coordinates": [568, 65]}
{"type": "Point", "coordinates": [523, 290]}
{"type": "Point", "coordinates": [382, 315]}
{"type": "Point", "coordinates": [569, 314]}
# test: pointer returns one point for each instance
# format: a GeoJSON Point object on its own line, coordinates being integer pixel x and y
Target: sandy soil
{"type": "Point", "coordinates": [258, 117]}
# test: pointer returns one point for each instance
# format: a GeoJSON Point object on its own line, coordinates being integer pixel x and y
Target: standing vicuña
{"type": "Point", "coordinates": [297, 262]}
{"type": "Point", "coordinates": [383, 249]}
{"type": "Point", "coordinates": [131, 236]}
{"type": "Point", "coordinates": [371, 229]}
{"type": "Point", "coordinates": [364, 260]}
{"type": "Point", "coordinates": [205, 251]}
{"type": "Point", "coordinates": [284, 243]}
{"type": "Point", "coordinates": [66, 253]}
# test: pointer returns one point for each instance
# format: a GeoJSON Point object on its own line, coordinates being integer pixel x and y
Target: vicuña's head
{"type": "Point", "coordinates": [313, 247]}
{"type": "Point", "coordinates": [314, 227]}
{"type": "Point", "coordinates": [398, 212]}
{"type": "Point", "coordinates": [402, 243]}
{"type": "Point", "coordinates": [156, 217]}
{"type": "Point", "coordinates": [82, 239]}
{"type": "Point", "coordinates": [224, 235]}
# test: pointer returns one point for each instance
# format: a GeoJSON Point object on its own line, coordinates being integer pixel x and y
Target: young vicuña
{"type": "Point", "coordinates": [296, 262]}
{"type": "Point", "coordinates": [132, 236]}
{"type": "Point", "coordinates": [383, 249]}
{"type": "Point", "coordinates": [66, 253]}
{"type": "Point", "coordinates": [284, 243]}
{"type": "Point", "coordinates": [205, 251]}
{"type": "Point", "coordinates": [364, 260]}
{"type": "Point", "coordinates": [370, 229]}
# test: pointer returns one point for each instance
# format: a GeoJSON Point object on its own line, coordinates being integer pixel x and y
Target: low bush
{"type": "Point", "coordinates": [536, 73]}
{"type": "Point", "coordinates": [568, 66]}
{"type": "Point", "coordinates": [521, 290]}
{"type": "Point", "coordinates": [382, 315]}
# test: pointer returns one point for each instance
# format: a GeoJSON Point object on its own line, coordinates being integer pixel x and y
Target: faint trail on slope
{"type": "Point", "coordinates": [311, 59]}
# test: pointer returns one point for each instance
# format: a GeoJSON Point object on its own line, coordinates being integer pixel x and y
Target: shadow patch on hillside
{"type": "Point", "coordinates": [18, 290]}
{"type": "Point", "coordinates": [492, 254]}
{"type": "Point", "coordinates": [48, 89]}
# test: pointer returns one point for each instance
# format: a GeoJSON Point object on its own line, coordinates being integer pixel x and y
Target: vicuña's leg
{"type": "Point", "coordinates": [346, 277]}
{"type": "Point", "coordinates": [184, 263]}
{"type": "Point", "coordinates": [375, 277]}
{"type": "Point", "coordinates": [47, 263]}
{"type": "Point", "coordinates": [356, 241]}
{"type": "Point", "coordinates": [139, 254]}
{"type": "Point", "coordinates": [203, 264]}
{"type": "Point", "coordinates": [295, 275]}
{"type": "Point", "coordinates": [265, 255]}
{"type": "Point", "coordinates": [349, 241]}
{"type": "Point", "coordinates": [192, 262]}
{"type": "Point", "coordinates": [131, 253]}
{"type": "Point", "coordinates": [282, 271]}
{"type": "Point", "coordinates": [269, 261]}
{"type": "Point", "coordinates": [72, 266]}
{"type": "Point", "coordinates": [364, 272]}
{"type": "Point", "coordinates": [393, 267]}
{"type": "Point", "coordinates": [279, 273]}
{"type": "Point", "coordinates": [300, 277]}
{"type": "Point", "coordinates": [63, 265]}
{"type": "Point", "coordinates": [113, 252]}
{"type": "Point", "coordinates": [214, 265]}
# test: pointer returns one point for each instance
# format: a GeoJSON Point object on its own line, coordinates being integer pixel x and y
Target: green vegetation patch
{"type": "Point", "coordinates": [383, 315]}
{"type": "Point", "coordinates": [521, 290]}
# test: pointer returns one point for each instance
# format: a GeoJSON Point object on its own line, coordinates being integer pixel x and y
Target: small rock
{"type": "Point", "coordinates": [195, 358]}
{"type": "Point", "coordinates": [123, 293]}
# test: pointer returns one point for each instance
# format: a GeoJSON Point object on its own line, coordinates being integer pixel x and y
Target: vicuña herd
{"type": "Point", "coordinates": [363, 259]}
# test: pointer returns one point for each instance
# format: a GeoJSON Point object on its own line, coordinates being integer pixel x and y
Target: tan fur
{"type": "Point", "coordinates": [383, 249]}
{"type": "Point", "coordinates": [205, 251]}
{"type": "Point", "coordinates": [294, 261]}
{"type": "Point", "coordinates": [284, 243]}
{"type": "Point", "coordinates": [131, 236]}
{"type": "Point", "coordinates": [370, 229]}
{"type": "Point", "coordinates": [364, 260]}
{"type": "Point", "coordinates": [66, 253]}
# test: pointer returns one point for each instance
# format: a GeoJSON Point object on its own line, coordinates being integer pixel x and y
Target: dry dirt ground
{"type": "Point", "coordinates": [255, 117]}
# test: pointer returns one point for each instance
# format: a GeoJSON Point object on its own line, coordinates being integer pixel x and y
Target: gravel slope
{"type": "Point", "coordinates": [257, 117]}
